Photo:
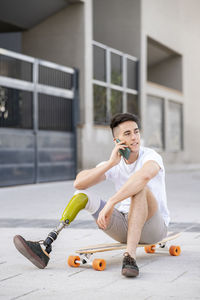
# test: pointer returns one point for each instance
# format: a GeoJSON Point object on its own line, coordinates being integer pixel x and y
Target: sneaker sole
{"type": "Point", "coordinates": [130, 272]}
{"type": "Point", "coordinates": [22, 247]}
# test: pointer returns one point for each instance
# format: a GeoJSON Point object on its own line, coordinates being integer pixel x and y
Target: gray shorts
{"type": "Point", "coordinates": [154, 229]}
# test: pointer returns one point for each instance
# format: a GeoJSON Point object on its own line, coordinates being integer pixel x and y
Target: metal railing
{"type": "Point", "coordinates": [27, 73]}
{"type": "Point", "coordinates": [42, 85]}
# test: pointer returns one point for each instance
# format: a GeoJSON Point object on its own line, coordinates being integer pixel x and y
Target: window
{"type": "Point", "coordinates": [175, 126]}
{"type": "Point", "coordinates": [132, 104]}
{"type": "Point", "coordinates": [99, 68]}
{"type": "Point", "coordinates": [116, 102]}
{"type": "Point", "coordinates": [131, 74]}
{"type": "Point", "coordinates": [99, 96]}
{"type": "Point", "coordinates": [116, 69]}
{"type": "Point", "coordinates": [155, 122]}
{"type": "Point", "coordinates": [164, 120]}
{"type": "Point", "coordinates": [114, 83]}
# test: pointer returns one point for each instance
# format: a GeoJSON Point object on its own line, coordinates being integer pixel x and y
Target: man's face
{"type": "Point", "coordinates": [128, 132]}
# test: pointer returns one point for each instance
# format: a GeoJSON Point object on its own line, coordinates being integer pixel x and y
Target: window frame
{"type": "Point", "coordinates": [181, 126]}
{"type": "Point", "coordinates": [163, 128]}
{"type": "Point", "coordinates": [168, 95]}
{"type": "Point", "coordinates": [110, 86]}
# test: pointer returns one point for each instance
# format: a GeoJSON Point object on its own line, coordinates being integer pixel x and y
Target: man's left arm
{"type": "Point", "coordinates": [136, 182]}
{"type": "Point", "coordinates": [134, 185]}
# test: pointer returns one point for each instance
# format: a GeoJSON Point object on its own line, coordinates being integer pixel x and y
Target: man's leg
{"type": "Point", "coordinates": [143, 207]}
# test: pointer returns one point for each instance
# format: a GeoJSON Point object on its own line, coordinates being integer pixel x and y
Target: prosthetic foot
{"type": "Point", "coordinates": [38, 252]}
{"type": "Point", "coordinates": [33, 251]}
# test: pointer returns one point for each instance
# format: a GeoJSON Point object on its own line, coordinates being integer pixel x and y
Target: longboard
{"type": "Point", "coordinates": [100, 264]}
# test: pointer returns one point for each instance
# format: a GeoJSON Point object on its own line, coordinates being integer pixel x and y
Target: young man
{"type": "Point", "coordinates": [142, 216]}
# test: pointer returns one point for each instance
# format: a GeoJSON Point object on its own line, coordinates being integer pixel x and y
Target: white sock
{"type": "Point", "coordinates": [94, 200]}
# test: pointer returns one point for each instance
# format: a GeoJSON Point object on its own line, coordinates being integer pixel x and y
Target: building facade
{"type": "Point", "coordinates": [139, 56]}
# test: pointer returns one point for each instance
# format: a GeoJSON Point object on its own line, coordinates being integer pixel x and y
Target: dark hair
{"type": "Point", "coordinates": [123, 117]}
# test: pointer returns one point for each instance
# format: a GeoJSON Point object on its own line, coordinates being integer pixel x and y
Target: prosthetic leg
{"type": "Point", "coordinates": [77, 203]}
{"type": "Point", "coordinates": [38, 252]}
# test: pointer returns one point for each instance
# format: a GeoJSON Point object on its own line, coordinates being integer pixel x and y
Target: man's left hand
{"type": "Point", "coordinates": [105, 215]}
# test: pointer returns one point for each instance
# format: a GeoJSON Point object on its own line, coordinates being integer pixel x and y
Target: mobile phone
{"type": "Point", "coordinates": [126, 152]}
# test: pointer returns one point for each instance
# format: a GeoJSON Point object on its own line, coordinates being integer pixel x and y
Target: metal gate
{"type": "Point", "coordinates": [38, 104]}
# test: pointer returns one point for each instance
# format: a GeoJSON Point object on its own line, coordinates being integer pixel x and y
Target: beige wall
{"type": "Point", "coordinates": [116, 23]}
{"type": "Point", "coordinates": [176, 24]}
{"type": "Point", "coordinates": [60, 38]}
{"type": "Point", "coordinates": [191, 40]}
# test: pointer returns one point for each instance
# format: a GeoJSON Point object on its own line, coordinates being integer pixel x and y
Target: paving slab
{"type": "Point", "coordinates": [34, 210]}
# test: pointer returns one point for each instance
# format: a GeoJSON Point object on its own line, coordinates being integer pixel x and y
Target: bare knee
{"type": "Point", "coordinates": [142, 193]}
{"type": "Point", "coordinates": [145, 198]}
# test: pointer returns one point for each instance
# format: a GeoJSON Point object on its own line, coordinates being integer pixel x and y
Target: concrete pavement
{"type": "Point", "coordinates": [33, 210]}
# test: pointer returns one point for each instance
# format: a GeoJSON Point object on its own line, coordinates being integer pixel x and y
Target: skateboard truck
{"type": "Point", "coordinates": [85, 258]}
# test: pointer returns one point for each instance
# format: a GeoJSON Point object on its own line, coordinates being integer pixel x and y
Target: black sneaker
{"type": "Point", "coordinates": [32, 250]}
{"type": "Point", "coordinates": [129, 266]}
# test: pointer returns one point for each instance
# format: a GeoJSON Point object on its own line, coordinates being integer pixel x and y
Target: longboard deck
{"type": "Point", "coordinates": [119, 246]}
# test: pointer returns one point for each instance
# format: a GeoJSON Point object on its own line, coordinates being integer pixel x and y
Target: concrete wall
{"type": "Point", "coordinates": [176, 24]}
{"type": "Point", "coordinates": [191, 80]}
{"type": "Point", "coordinates": [11, 41]}
{"type": "Point", "coordinates": [60, 38]}
{"type": "Point", "coordinates": [116, 23]}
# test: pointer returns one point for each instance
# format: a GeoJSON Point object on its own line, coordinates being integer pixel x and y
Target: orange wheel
{"type": "Point", "coordinates": [72, 261]}
{"type": "Point", "coordinates": [99, 264]}
{"type": "Point", "coordinates": [175, 250]}
{"type": "Point", "coordinates": [150, 249]}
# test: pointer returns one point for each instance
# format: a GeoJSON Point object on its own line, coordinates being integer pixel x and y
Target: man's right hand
{"type": "Point", "coordinates": [88, 178]}
{"type": "Point", "coordinates": [115, 156]}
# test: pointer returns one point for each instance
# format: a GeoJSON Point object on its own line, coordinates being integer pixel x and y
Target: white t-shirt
{"type": "Point", "coordinates": [120, 173]}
